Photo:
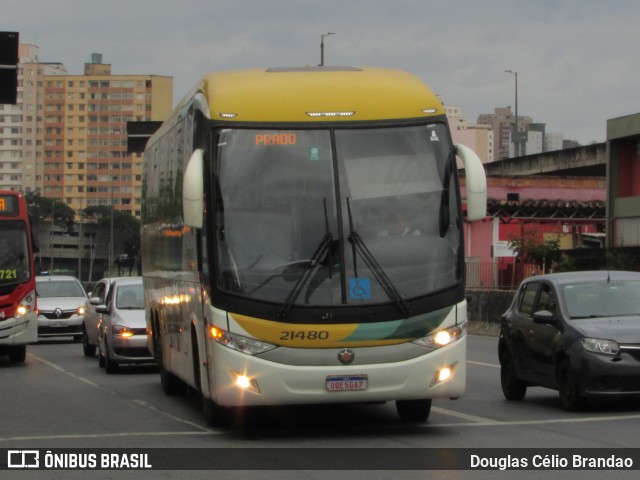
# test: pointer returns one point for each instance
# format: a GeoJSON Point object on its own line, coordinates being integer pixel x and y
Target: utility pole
{"type": "Point", "coordinates": [516, 134]}
{"type": "Point", "coordinates": [322, 47]}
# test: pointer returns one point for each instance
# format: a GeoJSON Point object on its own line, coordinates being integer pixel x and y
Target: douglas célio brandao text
{"type": "Point", "coordinates": [550, 461]}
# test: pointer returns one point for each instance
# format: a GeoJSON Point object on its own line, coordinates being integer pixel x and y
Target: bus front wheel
{"type": "Point", "coordinates": [214, 414]}
{"type": "Point", "coordinates": [413, 410]}
{"type": "Point", "coordinates": [18, 353]}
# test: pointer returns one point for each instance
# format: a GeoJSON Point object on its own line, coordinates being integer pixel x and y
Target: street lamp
{"type": "Point", "coordinates": [516, 136]}
{"type": "Point", "coordinates": [322, 47]}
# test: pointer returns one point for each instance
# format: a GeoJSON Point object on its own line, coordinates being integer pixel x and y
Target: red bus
{"type": "Point", "coordinates": [18, 315]}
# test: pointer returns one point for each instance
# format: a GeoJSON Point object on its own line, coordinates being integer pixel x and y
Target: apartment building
{"type": "Point", "coordinates": [502, 122]}
{"type": "Point", "coordinates": [86, 162]}
{"type": "Point", "coordinates": [477, 137]}
{"type": "Point", "coordinates": [21, 125]}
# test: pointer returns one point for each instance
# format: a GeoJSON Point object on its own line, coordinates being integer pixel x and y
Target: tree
{"type": "Point", "coordinates": [125, 227]}
{"type": "Point", "coordinates": [530, 249]}
{"type": "Point", "coordinates": [50, 209]}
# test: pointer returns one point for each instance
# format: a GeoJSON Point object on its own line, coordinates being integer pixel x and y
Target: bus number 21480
{"type": "Point", "coordinates": [304, 335]}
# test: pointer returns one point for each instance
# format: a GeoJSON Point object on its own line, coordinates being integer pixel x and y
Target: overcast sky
{"type": "Point", "coordinates": [578, 62]}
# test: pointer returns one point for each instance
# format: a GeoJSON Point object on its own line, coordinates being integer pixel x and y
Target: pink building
{"type": "Point", "coordinates": [569, 209]}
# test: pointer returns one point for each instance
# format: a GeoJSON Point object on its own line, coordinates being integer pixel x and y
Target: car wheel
{"type": "Point", "coordinates": [568, 387]}
{"type": "Point", "coordinates": [88, 349]}
{"type": "Point", "coordinates": [413, 410]}
{"type": "Point", "coordinates": [18, 353]}
{"type": "Point", "coordinates": [109, 365]}
{"type": "Point", "coordinates": [512, 387]}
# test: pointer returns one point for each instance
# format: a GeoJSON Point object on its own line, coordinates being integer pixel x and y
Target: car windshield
{"type": "Point", "coordinates": [602, 299]}
{"type": "Point", "coordinates": [130, 297]}
{"type": "Point", "coordinates": [283, 237]}
{"type": "Point", "coordinates": [59, 288]}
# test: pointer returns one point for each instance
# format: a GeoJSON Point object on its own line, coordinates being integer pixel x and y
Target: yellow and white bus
{"type": "Point", "coordinates": [302, 241]}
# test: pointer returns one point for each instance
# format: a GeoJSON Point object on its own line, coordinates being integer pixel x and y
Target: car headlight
{"type": "Point", "coordinates": [442, 337]}
{"type": "Point", "coordinates": [250, 346]}
{"type": "Point", "coordinates": [120, 331]}
{"type": "Point", "coordinates": [81, 310]}
{"type": "Point", "coordinates": [597, 345]}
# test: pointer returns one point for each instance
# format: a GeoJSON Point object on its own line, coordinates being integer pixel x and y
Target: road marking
{"type": "Point", "coordinates": [471, 418]}
{"type": "Point", "coordinates": [141, 403]}
{"type": "Point", "coordinates": [483, 364]}
{"type": "Point", "coordinates": [498, 423]}
{"type": "Point", "coordinates": [101, 435]}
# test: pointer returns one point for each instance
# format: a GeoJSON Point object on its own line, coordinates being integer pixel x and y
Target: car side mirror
{"type": "Point", "coordinates": [544, 316]}
{"type": "Point", "coordinates": [95, 301]}
{"type": "Point", "coordinates": [102, 309]}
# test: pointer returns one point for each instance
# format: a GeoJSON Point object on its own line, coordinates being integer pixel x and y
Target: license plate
{"type": "Point", "coordinates": [341, 383]}
{"type": "Point", "coordinates": [60, 324]}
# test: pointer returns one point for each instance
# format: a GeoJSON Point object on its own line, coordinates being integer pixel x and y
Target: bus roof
{"type": "Point", "coordinates": [312, 94]}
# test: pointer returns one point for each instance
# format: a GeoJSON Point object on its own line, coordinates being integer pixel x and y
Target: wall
{"type": "Point", "coordinates": [487, 305]}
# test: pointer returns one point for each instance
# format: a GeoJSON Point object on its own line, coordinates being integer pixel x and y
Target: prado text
{"type": "Point", "coordinates": [551, 462]}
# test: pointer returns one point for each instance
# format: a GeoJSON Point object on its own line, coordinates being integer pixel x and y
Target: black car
{"type": "Point", "coordinates": [578, 333]}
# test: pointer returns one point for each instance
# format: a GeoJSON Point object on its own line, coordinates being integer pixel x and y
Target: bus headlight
{"type": "Point", "coordinates": [442, 337]}
{"type": "Point", "coordinates": [244, 382]}
{"type": "Point", "coordinates": [27, 305]}
{"type": "Point", "coordinates": [443, 374]}
{"type": "Point", "coordinates": [242, 344]}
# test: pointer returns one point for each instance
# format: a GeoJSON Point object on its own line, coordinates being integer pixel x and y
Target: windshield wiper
{"type": "Point", "coordinates": [378, 272]}
{"type": "Point", "coordinates": [324, 248]}
{"type": "Point", "coordinates": [445, 214]}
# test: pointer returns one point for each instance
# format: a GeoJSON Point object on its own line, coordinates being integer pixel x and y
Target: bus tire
{"type": "Point", "coordinates": [214, 414]}
{"type": "Point", "coordinates": [171, 384]}
{"type": "Point", "coordinates": [413, 410]}
{"type": "Point", "coordinates": [195, 356]}
{"type": "Point", "coordinates": [18, 353]}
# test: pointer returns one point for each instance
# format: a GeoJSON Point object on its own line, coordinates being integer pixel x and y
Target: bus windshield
{"type": "Point", "coordinates": [14, 252]}
{"type": "Point", "coordinates": [324, 217]}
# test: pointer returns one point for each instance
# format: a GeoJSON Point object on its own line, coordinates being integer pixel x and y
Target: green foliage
{"type": "Point", "coordinates": [125, 226]}
{"type": "Point", "coordinates": [50, 209]}
{"type": "Point", "coordinates": [529, 248]}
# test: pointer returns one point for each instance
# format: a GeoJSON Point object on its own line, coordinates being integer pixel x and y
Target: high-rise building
{"type": "Point", "coordinates": [502, 122]}
{"type": "Point", "coordinates": [21, 125]}
{"type": "Point", "coordinates": [86, 162]}
{"type": "Point", "coordinates": [553, 141]}
{"type": "Point", "coordinates": [477, 137]}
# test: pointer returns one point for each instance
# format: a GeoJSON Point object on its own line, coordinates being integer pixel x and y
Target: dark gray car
{"type": "Point", "coordinates": [578, 333]}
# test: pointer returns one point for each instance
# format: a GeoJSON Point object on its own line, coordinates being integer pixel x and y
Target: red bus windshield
{"type": "Point", "coordinates": [14, 252]}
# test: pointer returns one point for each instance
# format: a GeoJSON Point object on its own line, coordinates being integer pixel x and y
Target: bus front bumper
{"type": "Point", "coordinates": [19, 331]}
{"type": "Point", "coordinates": [237, 379]}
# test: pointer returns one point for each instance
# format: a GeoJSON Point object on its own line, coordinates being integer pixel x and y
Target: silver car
{"type": "Point", "coordinates": [60, 302]}
{"type": "Point", "coordinates": [122, 336]}
{"type": "Point", "coordinates": [92, 319]}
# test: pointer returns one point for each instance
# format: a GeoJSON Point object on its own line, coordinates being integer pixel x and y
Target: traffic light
{"type": "Point", "coordinates": [8, 67]}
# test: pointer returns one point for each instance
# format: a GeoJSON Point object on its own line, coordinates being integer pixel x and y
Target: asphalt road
{"type": "Point", "coordinates": [60, 399]}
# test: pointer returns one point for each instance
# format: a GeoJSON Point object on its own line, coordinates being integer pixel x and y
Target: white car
{"type": "Point", "coordinates": [60, 302]}
{"type": "Point", "coordinates": [122, 336]}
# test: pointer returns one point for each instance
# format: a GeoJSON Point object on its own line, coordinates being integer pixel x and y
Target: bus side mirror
{"type": "Point", "coordinates": [192, 190]}
{"type": "Point", "coordinates": [476, 182]}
